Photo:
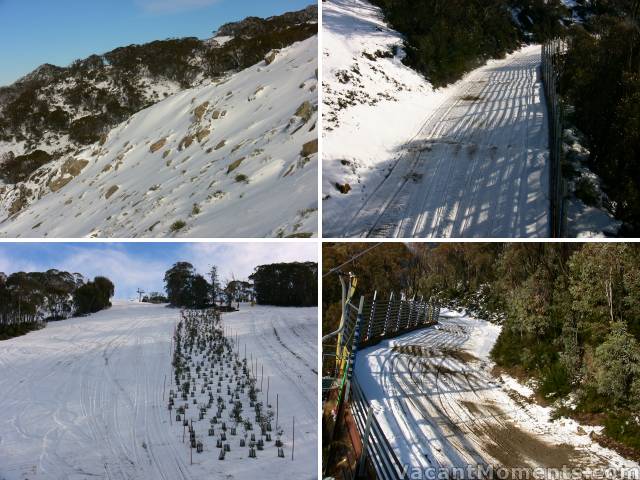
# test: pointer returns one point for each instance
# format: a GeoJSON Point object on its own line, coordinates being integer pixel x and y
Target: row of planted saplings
{"type": "Point", "coordinates": [206, 361]}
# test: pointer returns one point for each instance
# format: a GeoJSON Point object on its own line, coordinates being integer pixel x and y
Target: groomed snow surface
{"type": "Point", "coordinates": [83, 398]}
{"type": "Point", "coordinates": [470, 160]}
{"type": "Point", "coordinates": [232, 167]}
{"type": "Point", "coordinates": [435, 397]}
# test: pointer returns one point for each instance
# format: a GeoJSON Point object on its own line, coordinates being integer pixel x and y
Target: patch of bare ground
{"type": "Point", "coordinates": [460, 355]}
{"type": "Point", "coordinates": [625, 451]}
{"type": "Point", "coordinates": [513, 447]}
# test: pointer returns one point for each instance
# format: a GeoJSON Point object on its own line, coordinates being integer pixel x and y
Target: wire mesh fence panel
{"type": "Point", "coordinates": [552, 54]}
{"type": "Point", "coordinates": [386, 318]}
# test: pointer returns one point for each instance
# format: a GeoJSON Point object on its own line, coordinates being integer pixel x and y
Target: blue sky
{"type": "Point", "coordinates": [33, 32]}
{"type": "Point", "coordinates": [142, 265]}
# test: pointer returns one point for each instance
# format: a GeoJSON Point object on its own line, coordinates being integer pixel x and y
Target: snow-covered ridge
{"type": "Point", "coordinates": [233, 158]}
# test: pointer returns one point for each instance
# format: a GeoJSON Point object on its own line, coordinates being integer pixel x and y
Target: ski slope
{"type": "Point", "coordinates": [236, 157]}
{"type": "Point", "coordinates": [470, 160]}
{"type": "Point", "coordinates": [433, 394]}
{"type": "Point", "coordinates": [86, 398]}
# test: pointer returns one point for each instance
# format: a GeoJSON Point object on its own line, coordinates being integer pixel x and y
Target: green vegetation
{"type": "Point", "coordinates": [93, 296]}
{"type": "Point", "coordinates": [241, 177]}
{"type": "Point", "coordinates": [27, 300]}
{"type": "Point", "coordinates": [287, 284]}
{"type": "Point", "coordinates": [600, 80]}
{"type": "Point", "coordinates": [17, 169]}
{"type": "Point", "coordinates": [186, 288]}
{"type": "Point", "coordinates": [10, 331]}
{"type": "Point", "coordinates": [178, 225]}
{"type": "Point", "coordinates": [570, 313]}
{"type": "Point", "coordinates": [447, 38]}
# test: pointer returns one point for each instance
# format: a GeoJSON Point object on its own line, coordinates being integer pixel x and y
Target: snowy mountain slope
{"type": "Point", "coordinates": [236, 157]}
{"type": "Point", "coordinates": [55, 109]}
{"type": "Point", "coordinates": [403, 160]}
{"type": "Point", "coordinates": [440, 407]}
{"type": "Point", "coordinates": [83, 398]}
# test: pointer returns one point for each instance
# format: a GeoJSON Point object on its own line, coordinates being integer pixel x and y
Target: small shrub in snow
{"type": "Point", "coordinates": [242, 178]}
{"type": "Point", "coordinates": [178, 225]}
{"type": "Point", "coordinates": [343, 188]}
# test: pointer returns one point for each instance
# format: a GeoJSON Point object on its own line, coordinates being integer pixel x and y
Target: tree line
{"type": "Point", "coordinates": [447, 38]}
{"type": "Point", "coordinates": [570, 313]}
{"type": "Point", "coordinates": [287, 284]}
{"type": "Point", "coordinates": [283, 284]}
{"type": "Point", "coordinates": [600, 80]}
{"type": "Point", "coordinates": [28, 299]}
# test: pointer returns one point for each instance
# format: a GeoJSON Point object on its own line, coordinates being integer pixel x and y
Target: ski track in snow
{"type": "Point", "coordinates": [477, 168]}
{"type": "Point", "coordinates": [83, 398]}
{"type": "Point", "coordinates": [443, 408]}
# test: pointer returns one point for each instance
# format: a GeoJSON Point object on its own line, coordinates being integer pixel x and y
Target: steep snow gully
{"type": "Point", "coordinates": [478, 167]}
{"type": "Point", "coordinates": [83, 398]}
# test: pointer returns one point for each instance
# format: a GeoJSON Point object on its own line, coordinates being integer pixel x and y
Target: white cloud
{"type": "Point", "coordinates": [239, 259]}
{"type": "Point", "coordinates": [129, 271]}
{"type": "Point", "coordinates": [172, 6]}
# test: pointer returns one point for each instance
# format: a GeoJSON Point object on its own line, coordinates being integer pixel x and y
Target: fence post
{"type": "Point", "coordinates": [371, 316]}
{"type": "Point", "coordinates": [398, 318]}
{"type": "Point", "coordinates": [365, 441]}
{"type": "Point", "coordinates": [356, 340]}
{"type": "Point", "coordinates": [387, 316]}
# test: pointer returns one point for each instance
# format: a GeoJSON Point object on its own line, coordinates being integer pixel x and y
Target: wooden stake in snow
{"type": "Point", "coordinates": [268, 391]}
{"type": "Point", "coordinates": [276, 412]}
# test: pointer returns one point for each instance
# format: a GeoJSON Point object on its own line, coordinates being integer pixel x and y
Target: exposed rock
{"type": "Point", "coordinates": [200, 110]}
{"type": "Point", "coordinates": [270, 57]}
{"type": "Point", "coordinates": [220, 145]}
{"type": "Point", "coordinates": [185, 142]}
{"type": "Point", "coordinates": [310, 148]}
{"type": "Point", "coordinates": [234, 165]}
{"type": "Point", "coordinates": [57, 183]}
{"type": "Point", "coordinates": [202, 134]}
{"type": "Point", "coordinates": [216, 114]}
{"type": "Point", "coordinates": [73, 167]}
{"type": "Point", "coordinates": [304, 111]}
{"type": "Point", "coordinates": [113, 189]}
{"type": "Point", "coordinates": [157, 145]}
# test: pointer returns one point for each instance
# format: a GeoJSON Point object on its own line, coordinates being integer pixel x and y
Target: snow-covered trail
{"type": "Point", "coordinates": [440, 407]}
{"type": "Point", "coordinates": [83, 398]}
{"type": "Point", "coordinates": [478, 167]}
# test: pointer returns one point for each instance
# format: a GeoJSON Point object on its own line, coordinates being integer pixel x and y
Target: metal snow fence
{"type": "Point", "coordinates": [389, 318]}
{"type": "Point", "coordinates": [552, 52]}
{"type": "Point", "coordinates": [375, 444]}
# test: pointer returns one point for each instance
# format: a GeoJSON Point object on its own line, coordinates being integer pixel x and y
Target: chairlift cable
{"type": "Point", "coordinates": [333, 270]}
